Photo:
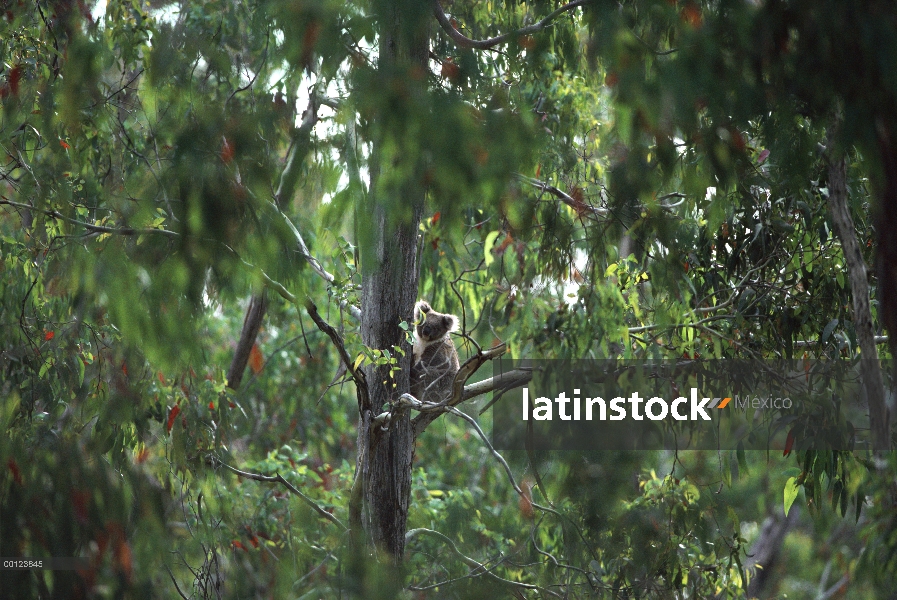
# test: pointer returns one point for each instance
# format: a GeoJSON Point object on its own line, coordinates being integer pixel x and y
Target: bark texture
{"type": "Point", "coordinates": [862, 314]}
{"type": "Point", "coordinates": [388, 224]}
{"type": "Point", "coordinates": [252, 322]}
{"type": "Point", "coordinates": [765, 551]}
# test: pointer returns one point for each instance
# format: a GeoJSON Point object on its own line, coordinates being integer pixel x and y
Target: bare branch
{"type": "Point", "coordinates": [175, 582]}
{"type": "Point", "coordinates": [502, 382]}
{"type": "Point", "coordinates": [879, 339]}
{"type": "Point", "coordinates": [252, 322]}
{"type": "Point", "coordinates": [316, 266]}
{"type": "Point", "coordinates": [578, 205]}
{"type": "Point", "coordinates": [478, 567]}
{"type": "Point", "coordinates": [279, 479]}
{"type": "Point", "coordinates": [298, 150]}
{"type": "Point", "coordinates": [465, 42]}
{"type": "Point", "coordinates": [127, 231]}
{"type": "Point", "coordinates": [337, 340]}
{"type": "Point", "coordinates": [838, 588]}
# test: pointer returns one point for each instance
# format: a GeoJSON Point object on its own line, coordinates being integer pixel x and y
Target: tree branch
{"type": "Point", "coordinates": [279, 479]}
{"type": "Point", "coordinates": [128, 231]}
{"type": "Point", "coordinates": [252, 322]}
{"type": "Point", "coordinates": [465, 42]}
{"type": "Point", "coordinates": [316, 266]}
{"type": "Point", "coordinates": [766, 548]}
{"type": "Point", "coordinates": [578, 205]}
{"type": "Point", "coordinates": [478, 567]}
{"type": "Point", "coordinates": [337, 340]}
{"type": "Point", "coordinates": [460, 393]}
{"type": "Point", "coordinates": [859, 287]}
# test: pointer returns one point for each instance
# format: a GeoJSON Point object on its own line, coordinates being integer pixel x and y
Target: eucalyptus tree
{"type": "Point", "coordinates": [575, 180]}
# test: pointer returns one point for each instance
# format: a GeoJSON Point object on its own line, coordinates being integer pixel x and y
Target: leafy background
{"type": "Point", "coordinates": [634, 180]}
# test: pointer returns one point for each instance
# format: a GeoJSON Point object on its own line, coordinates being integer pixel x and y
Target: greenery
{"type": "Point", "coordinates": [644, 179]}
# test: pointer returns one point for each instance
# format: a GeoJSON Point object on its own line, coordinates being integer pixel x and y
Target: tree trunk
{"type": "Point", "coordinates": [388, 242]}
{"type": "Point", "coordinates": [765, 551]}
{"type": "Point", "coordinates": [859, 288]}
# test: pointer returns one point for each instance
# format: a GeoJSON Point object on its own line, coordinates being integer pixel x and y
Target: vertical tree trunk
{"type": "Point", "coordinates": [859, 288]}
{"type": "Point", "coordinates": [388, 242]}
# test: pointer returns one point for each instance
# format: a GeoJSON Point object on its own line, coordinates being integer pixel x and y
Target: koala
{"type": "Point", "coordinates": [435, 361]}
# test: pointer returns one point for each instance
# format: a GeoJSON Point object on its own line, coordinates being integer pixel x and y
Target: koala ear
{"type": "Point", "coordinates": [450, 322]}
{"type": "Point", "coordinates": [420, 309]}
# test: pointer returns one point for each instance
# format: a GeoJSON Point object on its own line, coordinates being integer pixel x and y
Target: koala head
{"type": "Point", "coordinates": [431, 325]}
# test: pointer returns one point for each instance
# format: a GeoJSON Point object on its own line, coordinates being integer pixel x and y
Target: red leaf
{"type": "Point", "coordinates": [14, 75]}
{"type": "Point", "coordinates": [172, 415]}
{"type": "Point", "coordinates": [63, 144]}
{"type": "Point", "coordinates": [123, 558]}
{"type": "Point", "coordinates": [256, 361]}
{"type": "Point", "coordinates": [211, 406]}
{"type": "Point", "coordinates": [309, 39]}
{"type": "Point", "coordinates": [526, 501]}
{"type": "Point", "coordinates": [14, 468]}
{"type": "Point", "coordinates": [161, 378]}
{"type": "Point", "coordinates": [49, 335]}
{"type": "Point", "coordinates": [763, 156]}
{"type": "Point", "coordinates": [80, 503]}
{"type": "Point", "coordinates": [691, 14]}
{"type": "Point", "coordinates": [789, 442]}
{"type": "Point", "coordinates": [436, 217]}
{"type": "Point", "coordinates": [227, 151]}
{"type": "Point", "coordinates": [449, 69]}
{"type": "Point", "coordinates": [236, 544]}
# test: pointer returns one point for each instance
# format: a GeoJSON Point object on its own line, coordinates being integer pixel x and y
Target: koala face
{"type": "Point", "coordinates": [432, 325]}
{"type": "Point", "coordinates": [435, 327]}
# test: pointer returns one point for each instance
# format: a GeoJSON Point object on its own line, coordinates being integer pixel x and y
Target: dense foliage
{"type": "Point", "coordinates": [643, 179]}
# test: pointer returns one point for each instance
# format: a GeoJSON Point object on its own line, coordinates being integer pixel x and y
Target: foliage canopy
{"type": "Point", "coordinates": [642, 179]}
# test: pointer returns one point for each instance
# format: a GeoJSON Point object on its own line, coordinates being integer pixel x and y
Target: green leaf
{"type": "Point", "coordinates": [827, 332]}
{"type": "Point", "coordinates": [791, 490]}
{"type": "Point", "coordinates": [488, 245]}
{"type": "Point", "coordinates": [46, 366]}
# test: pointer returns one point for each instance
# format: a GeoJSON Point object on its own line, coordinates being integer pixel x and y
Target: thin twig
{"type": "Point", "coordinates": [465, 42]}
{"type": "Point", "coordinates": [278, 478]}
{"type": "Point", "coordinates": [479, 568]}
{"type": "Point", "coordinates": [127, 231]}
